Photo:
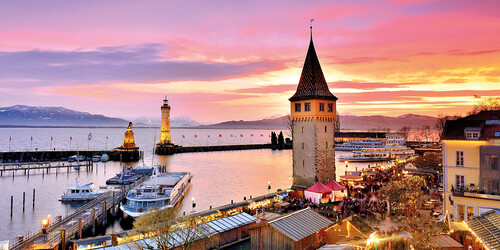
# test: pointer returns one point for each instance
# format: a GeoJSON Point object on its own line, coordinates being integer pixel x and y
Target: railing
{"type": "Point", "coordinates": [475, 192]}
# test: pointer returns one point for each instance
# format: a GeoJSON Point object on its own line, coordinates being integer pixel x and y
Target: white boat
{"type": "Point", "coordinates": [83, 192]}
{"type": "Point", "coordinates": [96, 158]}
{"type": "Point", "coordinates": [76, 158]}
{"type": "Point", "coordinates": [359, 145]}
{"type": "Point", "coordinates": [104, 158]}
{"type": "Point", "coordinates": [157, 193]}
{"type": "Point", "coordinates": [359, 156]}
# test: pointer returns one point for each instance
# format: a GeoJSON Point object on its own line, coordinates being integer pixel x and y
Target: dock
{"type": "Point", "coordinates": [26, 167]}
{"type": "Point", "coordinates": [37, 156]}
{"type": "Point", "coordinates": [71, 226]}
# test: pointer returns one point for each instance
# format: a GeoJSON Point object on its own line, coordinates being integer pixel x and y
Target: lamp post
{"type": "Point", "coordinates": [346, 162]}
{"type": "Point", "coordinates": [193, 204]}
{"type": "Point", "coordinates": [268, 187]}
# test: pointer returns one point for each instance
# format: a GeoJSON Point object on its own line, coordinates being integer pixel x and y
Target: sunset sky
{"type": "Point", "coordinates": [232, 60]}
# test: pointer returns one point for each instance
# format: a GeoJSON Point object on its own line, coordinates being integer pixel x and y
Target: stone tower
{"type": "Point", "coordinates": [165, 122]}
{"type": "Point", "coordinates": [313, 113]}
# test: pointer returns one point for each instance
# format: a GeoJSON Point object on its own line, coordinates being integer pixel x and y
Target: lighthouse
{"type": "Point", "coordinates": [164, 146]}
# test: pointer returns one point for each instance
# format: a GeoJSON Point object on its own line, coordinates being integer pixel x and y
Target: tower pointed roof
{"type": "Point", "coordinates": [312, 84]}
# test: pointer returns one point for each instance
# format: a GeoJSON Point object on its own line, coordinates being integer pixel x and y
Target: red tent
{"type": "Point", "coordinates": [333, 185]}
{"type": "Point", "coordinates": [319, 188]}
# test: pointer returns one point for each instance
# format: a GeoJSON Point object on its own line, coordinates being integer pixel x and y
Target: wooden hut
{"type": "Point", "coordinates": [303, 229]}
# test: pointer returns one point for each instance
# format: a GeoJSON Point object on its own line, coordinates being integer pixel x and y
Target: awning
{"type": "Point", "coordinates": [333, 185]}
{"type": "Point", "coordinates": [319, 188]}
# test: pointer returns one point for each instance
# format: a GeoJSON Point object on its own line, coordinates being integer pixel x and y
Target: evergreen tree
{"type": "Point", "coordinates": [281, 140]}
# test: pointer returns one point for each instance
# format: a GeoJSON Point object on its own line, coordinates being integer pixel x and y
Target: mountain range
{"type": "Point", "coordinates": [22, 115]}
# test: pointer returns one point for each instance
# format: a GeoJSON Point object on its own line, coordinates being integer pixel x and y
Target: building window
{"type": "Point", "coordinates": [307, 107]}
{"type": "Point", "coordinates": [470, 212]}
{"type": "Point", "coordinates": [460, 158]}
{"type": "Point", "coordinates": [330, 107]}
{"type": "Point", "coordinates": [325, 129]}
{"type": "Point", "coordinates": [494, 162]}
{"type": "Point", "coordinates": [302, 145]}
{"type": "Point", "coordinates": [472, 135]}
{"type": "Point", "coordinates": [297, 107]}
{"type": "Point", "coordinates": [461, 212]}
{"type": "Point", "coordinates": [321, 107]}
{"type": "Point", "coordinates": [303, 163]}
{"type": "Point", "coordinates": [460, 182]}
{"type": "Point", "coordinates": [302, 129]}
{"type": "Point", "coordinates": [327, 145]}
{"type": "Point", "coordinates": [497, 133]}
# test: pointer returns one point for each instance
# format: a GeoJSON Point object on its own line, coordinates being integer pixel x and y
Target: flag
{"type": "Point", "coordinates": [220, 135]}
{"type": "Point", "coordinates": [10, 138]}
{"type": "Point", "coordinates": [241, 135]}
{"type": "Point", "coordinates": [477, 96]}
{"type": "Point", "coordinates": [90, 136]}
{"type": "Point", "coordinates": [261, 135]}
{"type": "Point", "coordinates": [195, 135]}
{"type": "Point", "coordinates": [70, 138]}
{"type": "Point", "coordinates": [312, 20]}
{"type": "Point", "coordinates": [208, 136]}
{"type": "Point", "coordinates": [183, 136]}
{"type": "Point", "coordinates": [251, 135]}
{"type": "Point", "coordinates": [106, 137]}
{"type": "Point", "coordinates": [231, 135]}
{"type": "Point", "coordinates": [32, 138]}
{"type": "Point", "coordinates": [51, 139]}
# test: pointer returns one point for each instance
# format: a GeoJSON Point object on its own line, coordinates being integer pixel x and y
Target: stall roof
{"type": "Point", "coordinates": [300, 224]}
{"type": "Point", "coordinates": [319, 188]}
{"type": "Point", "coordinates": [333, 185]}
{"type": "Point", "coordinates": [487, 228]}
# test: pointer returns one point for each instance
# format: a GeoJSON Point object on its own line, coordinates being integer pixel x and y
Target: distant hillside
{"type": "Point", "coordinates": [351, 122]}
{"type": "Point", "coordinates": [347, 122]}
{"type": "Point", "coordinates": [276, 123]}
{"type": "Point", "coordinates": [21, 115]}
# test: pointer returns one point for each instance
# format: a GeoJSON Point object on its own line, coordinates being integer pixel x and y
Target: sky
{"type": "Point", "coordinates": [241, 60]}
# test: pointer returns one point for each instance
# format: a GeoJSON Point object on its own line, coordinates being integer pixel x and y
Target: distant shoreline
{"type": "Point", "coordinates": [123, 127]}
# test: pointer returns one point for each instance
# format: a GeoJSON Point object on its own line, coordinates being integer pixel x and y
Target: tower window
{"type": "Point", "coordinates": [321, 107]}
{"type": "Point", "coordinates": [330, 107]}
{"type": "Point", "coordinates": [325, 129]}
{"type": "Point", "coordinates": [302, 129]}
{"type": "Point", "coordinates": [303, 163]}
{"type": "Point", "coordinates": [326, 144]}
{"type": "Point", "coordinates": [307, 106]}
{"type": "Point", "coordinates": [302, 145]}
{"type": "Point", "coordinates": [297, 107]}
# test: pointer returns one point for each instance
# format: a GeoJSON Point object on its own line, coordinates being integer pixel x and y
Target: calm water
{"type": "Point", "coordinates": [219, 177]}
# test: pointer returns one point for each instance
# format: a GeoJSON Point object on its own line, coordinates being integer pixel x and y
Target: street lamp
{"type": "Point", "coordinates": [346, 161]}
{"type": "Point", "coordinates": [268, 186]}
{"type": "Point", "coordinates": [193, 204]}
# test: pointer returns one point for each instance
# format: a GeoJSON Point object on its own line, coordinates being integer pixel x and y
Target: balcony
{"type": "Point", "coordinates": [475, 192]}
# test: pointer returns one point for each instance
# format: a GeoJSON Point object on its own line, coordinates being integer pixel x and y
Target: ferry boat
{"type": "Point", "coordinates": [157, 193]}
{"type": "Point", "coordinates": [379, 154]}
{"type": "Point", "coordinates": [359, 145]}
{"type": "Point", "coordinates": [359, 156]}
{"type": "Point", "coordinates": [84, 192]}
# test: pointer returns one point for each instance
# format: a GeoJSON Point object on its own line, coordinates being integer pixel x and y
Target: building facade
{"type": "Point", "coordinates": [471, 148]}
{"type": "Point", "coordinates": [313, 113]}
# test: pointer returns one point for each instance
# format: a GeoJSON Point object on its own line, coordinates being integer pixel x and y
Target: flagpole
{"type": "Point", "coordinates": [50, 143]}
{"type": "Point", "coordinates": [70, 143]}
{"type": "Point", "coordinates": [10, 139]}
{"type": "Point", "coordinates": [31, 142]}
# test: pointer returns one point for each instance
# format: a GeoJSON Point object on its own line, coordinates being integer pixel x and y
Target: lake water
{"type": "Point", "coordinates": [219, 177]}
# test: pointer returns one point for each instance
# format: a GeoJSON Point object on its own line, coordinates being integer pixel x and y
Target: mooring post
{"type": "Point", "coordinates": [114, 204]}
{"type": "Point", "coordinates": [24, 201]}
{"type": "Point", "coordinates": [104, 213]}
{"type": "Point", "coordinates": [80, 228]}
{"type": "Point", "coordinates": [93, 221]}
{"type": "Point", "coordinates": [33, 198]}
{"type": "Point", "coordinates": [11, 204]}
{"type": "Point", "coordinates": [63, 238]}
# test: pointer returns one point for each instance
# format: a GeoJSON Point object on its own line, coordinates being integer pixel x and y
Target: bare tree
{"type": "Point", "coordinates": [287, 121]}
{"type": "Point", "coordinates": [487, 104]}
{"type": "Point", "coordinates": [337, 123]}
{"type": "Point", "coordinates": [405, 131]}
{"type": "Point", "coordinates": [165, 230]}
{"type": "Point", "coordinates": [426, 130]}
{"type": "Point", "coordinates": [440, 122]}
